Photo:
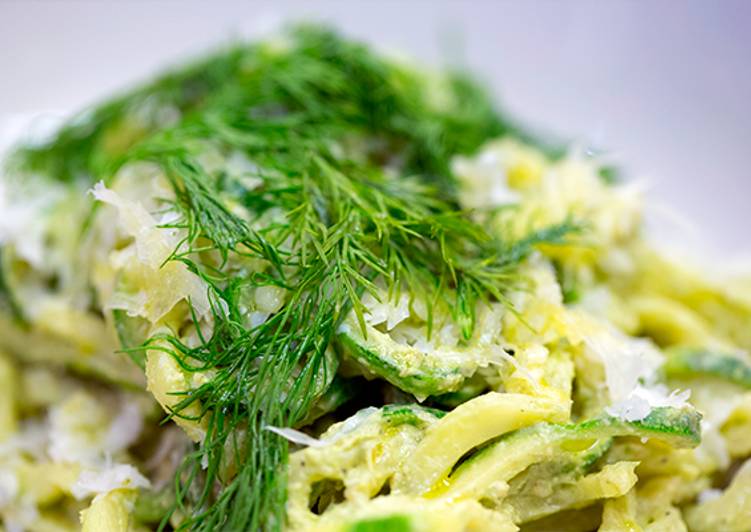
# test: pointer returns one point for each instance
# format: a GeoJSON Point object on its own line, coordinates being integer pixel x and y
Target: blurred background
{"type": "Point", "coordinates": [664, 87]}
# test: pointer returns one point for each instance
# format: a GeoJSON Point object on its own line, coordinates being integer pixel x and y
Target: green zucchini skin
{"type": "Point", "coordinates": [684, 363]}
{"type": "Point", "coordinates": [470, 389]}
{"type": "Point", "coordinates": [422, 380]}
{"type": "Point", "coordinates": [677, 427]}
{"type": "Point", "coordinates": [410, 414]}
{"type": "Point", "coordinates": [512, 454]}
{"type": "Point", "coordinates": [391, 523]}
{"type": "Point", "coordinates": [565, 467]}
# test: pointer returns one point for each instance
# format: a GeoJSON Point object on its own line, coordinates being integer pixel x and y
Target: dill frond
{"type": "Point", "coordinates": [354, 153]}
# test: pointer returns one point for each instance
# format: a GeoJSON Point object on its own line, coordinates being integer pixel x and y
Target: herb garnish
{"type": "Point", "coordinates": [354, 151]}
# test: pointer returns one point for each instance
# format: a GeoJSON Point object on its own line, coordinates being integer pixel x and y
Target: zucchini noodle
{"type": "Point", "coordinates": [300, 286]}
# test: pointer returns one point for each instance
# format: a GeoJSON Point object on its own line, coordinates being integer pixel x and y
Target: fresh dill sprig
{"type": "Point", "coordinates": [353, 155]}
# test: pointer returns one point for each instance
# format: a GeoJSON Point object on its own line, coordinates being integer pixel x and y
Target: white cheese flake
{"type": "Point", "coordinates": [162, 284]}
{"type": "Point", "coordinates": [387, 310]}
{"type": "Point", "coordinates": [642, 400]}
{"type": "Point", "coordinates": [295, 436]}
{"type": "Point", "coordinates": [117, 476]}
{"type": "Point", "coordinates": [626, 360]}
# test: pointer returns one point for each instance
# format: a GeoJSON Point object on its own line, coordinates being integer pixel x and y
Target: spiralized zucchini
{"type": "Point", "coordinates": [303, 287]}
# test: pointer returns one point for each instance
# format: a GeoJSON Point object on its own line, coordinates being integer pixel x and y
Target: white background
{"type": "Point", "coordinates": [665, 86]}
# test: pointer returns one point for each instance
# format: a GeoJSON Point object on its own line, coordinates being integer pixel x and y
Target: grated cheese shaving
{"type": "Point", "coordinates": [117, 476]}
{"type": "Point", "coordinates": [295, 436]}
{"type": "Point", "coordinates": [642, 400]}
